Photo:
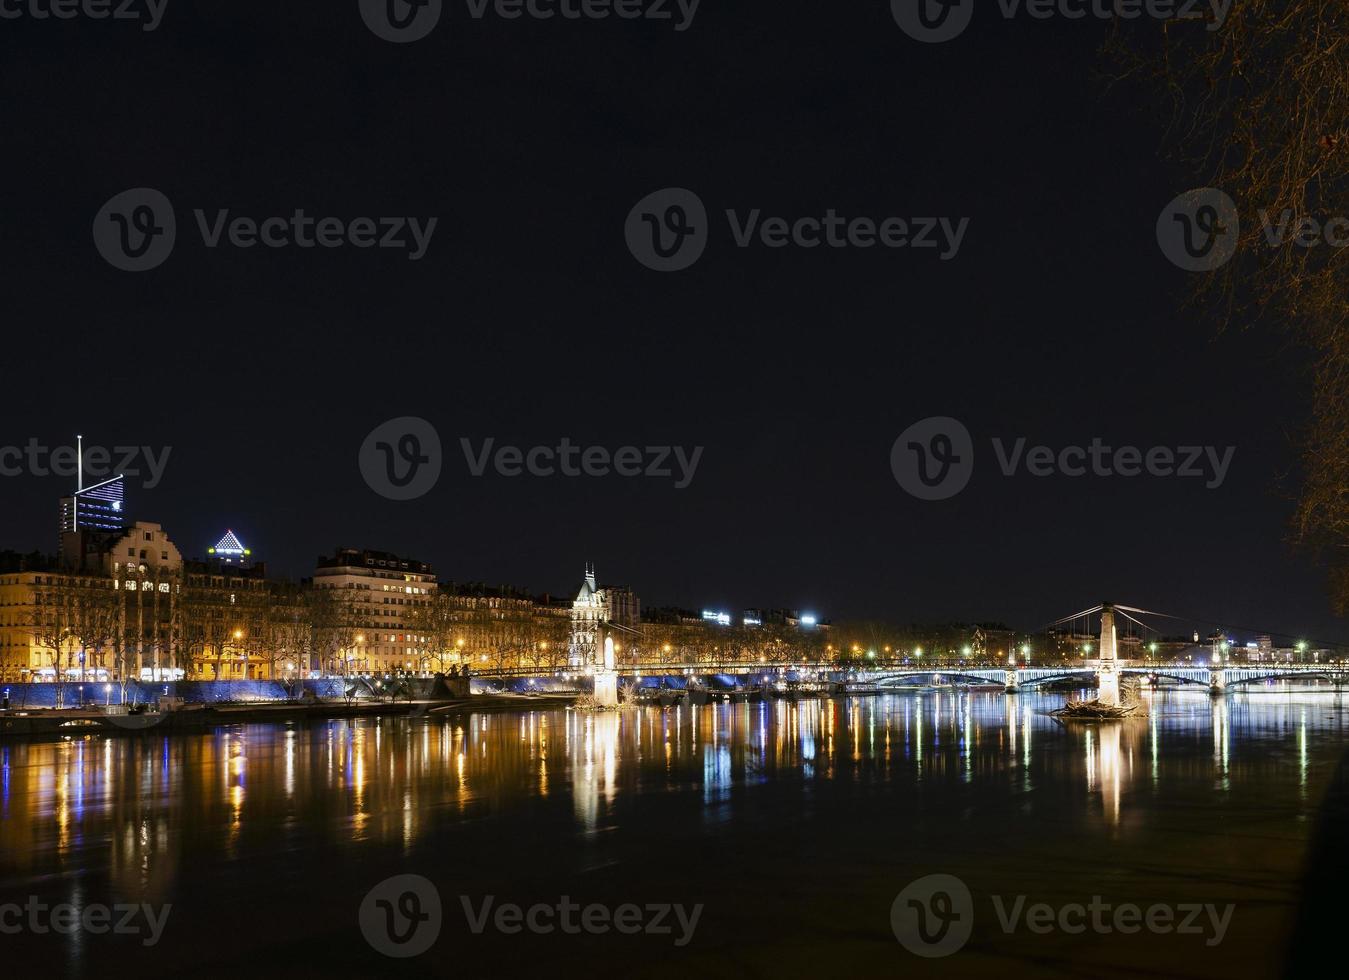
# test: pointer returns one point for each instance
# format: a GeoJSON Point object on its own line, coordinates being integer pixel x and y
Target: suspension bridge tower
{"type": "Point", "coordinates": [1107, 673]}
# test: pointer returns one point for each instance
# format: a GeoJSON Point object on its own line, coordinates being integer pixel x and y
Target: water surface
{"type": "Point", "coordinates": [793, 826]}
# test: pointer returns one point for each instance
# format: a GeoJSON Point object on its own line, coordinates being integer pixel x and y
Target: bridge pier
{"type": "Point", "coordinates": [1217, 682]}
{"type": "Point", "coordinates": [606, 678]}
{"type": "Point", "coordinates": [1107, 674]}
{"type": "Point", "coordinates": [1012, 682]}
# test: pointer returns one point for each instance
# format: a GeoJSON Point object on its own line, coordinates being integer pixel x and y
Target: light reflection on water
{"type": "Point", "coordinates": [143, 810]}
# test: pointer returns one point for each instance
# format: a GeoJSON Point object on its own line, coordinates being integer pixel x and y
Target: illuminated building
{"type": "Point", "coordinates": [377, 635]}
{"type": "Point", "coordinates": [782, 617]}
{"type": "Point", "coordinates": [592, 611]}
{"type": "Point", "coordinates": [101, 507]}
{"type": "Point", "coordinates": [91, 518]}
{"type": "Point", "coordinates": [230, 550]}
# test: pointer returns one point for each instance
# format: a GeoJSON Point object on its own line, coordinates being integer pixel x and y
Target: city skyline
{"type": "Point", "coordinates": [230, 549]}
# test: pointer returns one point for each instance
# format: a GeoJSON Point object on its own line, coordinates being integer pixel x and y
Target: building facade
{"type": "Point", "coordinates": [369, 609]}
{"type": "Point", "coordinates": [597, 613]}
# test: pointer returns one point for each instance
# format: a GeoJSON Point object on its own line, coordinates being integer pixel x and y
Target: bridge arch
{"type": "Point", "coordinates": [1036, 680]}
{"type": "Point", "coordinates": [897, 679]}
{"type": "Point", "coordinates": [1328, 674]}
{"type": "Point", "coordinates": [1181, 678]}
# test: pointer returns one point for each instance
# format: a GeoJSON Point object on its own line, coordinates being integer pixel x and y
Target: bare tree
{"type": "Point", "coordinates": [334, 615]}
{"type": "Point", "coordinates": [51, 623]}
{"type": "Point", "coordinates": [1262, 113]}
{"type": "Point", "coordinates": [289, 630]}
{"type": "Point", "coordinates": [437, 629]}
{"type": "Point", "coordinates": [94, 621]}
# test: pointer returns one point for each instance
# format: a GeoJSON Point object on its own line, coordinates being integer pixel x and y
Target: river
{"type": "Point", "coordinates": [766, 839]}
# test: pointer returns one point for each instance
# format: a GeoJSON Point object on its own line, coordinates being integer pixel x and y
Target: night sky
{"type": "Point", "coordinates": [528, 319]}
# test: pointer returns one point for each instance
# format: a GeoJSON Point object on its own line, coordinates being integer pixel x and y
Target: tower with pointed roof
{"type": "Point", "coordinates": [587, 613]}
{"type": "Point", "coordinates": [595, 612]}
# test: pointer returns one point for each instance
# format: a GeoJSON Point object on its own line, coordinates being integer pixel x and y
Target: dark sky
{"type": "Point", "coordinates": [528, 320]}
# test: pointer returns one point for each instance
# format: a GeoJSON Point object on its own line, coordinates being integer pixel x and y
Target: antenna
{"type": "Point", "coordinates": [79, 463]}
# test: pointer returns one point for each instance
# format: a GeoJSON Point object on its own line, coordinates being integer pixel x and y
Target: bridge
{"type": "Point", "coordinates": [899, 674]}
{"type": "Point", "coordinates": [1106, 670]}
{"type": "Point", "coordinates": [1018, 678]}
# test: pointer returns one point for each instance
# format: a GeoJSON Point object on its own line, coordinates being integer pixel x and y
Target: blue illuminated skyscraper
{"type": "Point", "coordinates": [101, 507]}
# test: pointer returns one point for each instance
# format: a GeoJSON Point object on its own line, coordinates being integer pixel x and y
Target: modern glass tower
{"type": "Point", "coordinates": [101, 507]}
